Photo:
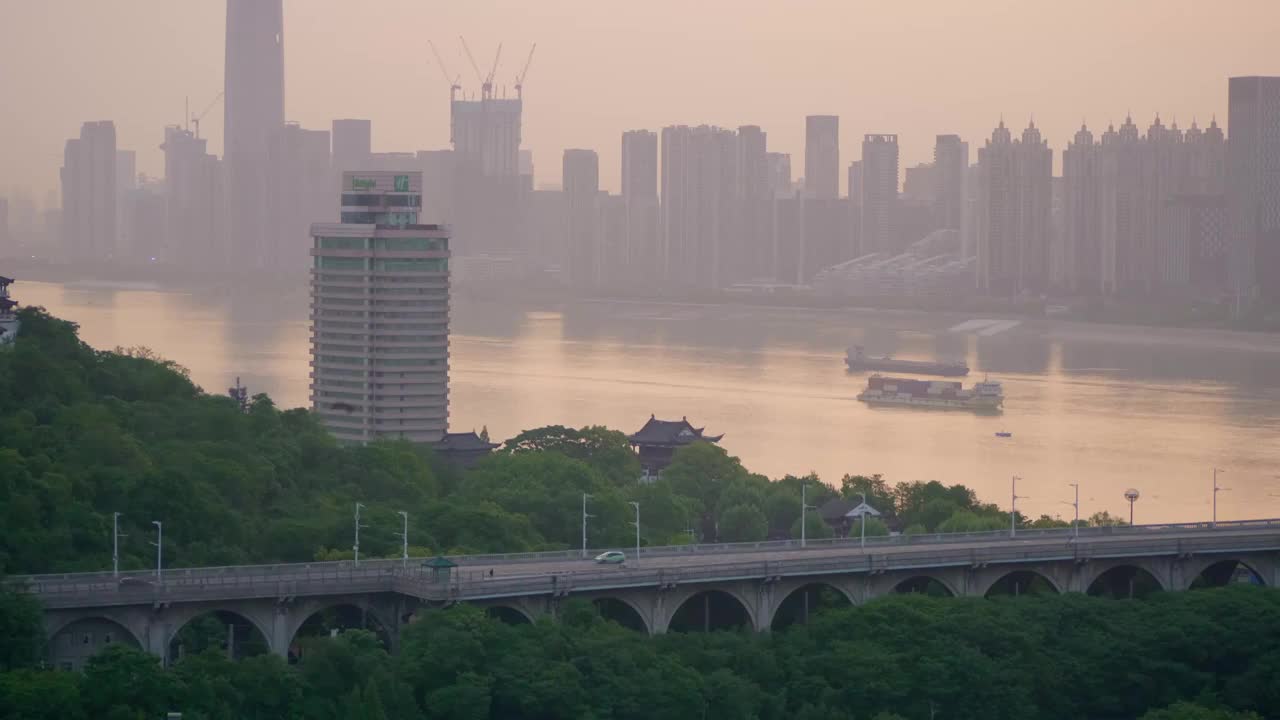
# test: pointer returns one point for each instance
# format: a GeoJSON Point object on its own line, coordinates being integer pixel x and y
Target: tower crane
{"type": "Point", "coordinates": [454, 85]}
{"type": "Point", "coordinates": [472, 59]}
{"type": "Point", "coordinates": [195, 119]}
{"type": "Point", "coordinates": [486, 88]}
{"type": "Point", "coordinates": [525, 71]}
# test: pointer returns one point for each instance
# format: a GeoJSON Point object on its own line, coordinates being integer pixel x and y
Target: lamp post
{"type": "Point", "coordinates": [404, 539]}
{"type": "Point", "coordinates": [1013, 506]}
{"type": "Point", "coordinates": [159, 543]}
{"type": "Point", "coordinates": [1216, 490]}
{"type": "Point", "coordinates": [115, 544]}
{"type": "Point", "coordinates": [355, 547]}
{"type": "Point", "coordinates": [1132, 496]}
{"type": "Point", "coordinates": [804, 505]}
{"type": "Point", "coordinates": [636, 505]}
{"type": "Point", "coordinates": [1076, 504]}
{"type": "Point", "coordinates": [585, 496]}
{"type": "Point", "coordinates": [863, 510]}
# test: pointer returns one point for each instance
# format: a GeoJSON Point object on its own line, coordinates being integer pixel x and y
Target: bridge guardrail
{"type": "Point", "coordinates": [698, 549]}
{"type": "Point", "coordinates": [65, 591]}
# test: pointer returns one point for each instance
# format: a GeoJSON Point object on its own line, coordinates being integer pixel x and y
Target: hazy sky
{"type": "Point", "coordinates": [912, 67]}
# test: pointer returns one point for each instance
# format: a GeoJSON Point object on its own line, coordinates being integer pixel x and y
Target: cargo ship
{"type": "Point", "coordinates": [858, 361]}
{"type": "Point", "coordinates": [985, 396]}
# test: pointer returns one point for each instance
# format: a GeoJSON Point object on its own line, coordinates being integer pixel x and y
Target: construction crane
{"type": "Point", "coordinates": [525, 71]}
{"type": "Point", "coordinates": [472, 58]}
{"type": "Point", "coordinates": [486, 88]}
{"type": "Point", "coordinates": [195, 119]}
{"type": "Point", "coordinates": [454, 85]}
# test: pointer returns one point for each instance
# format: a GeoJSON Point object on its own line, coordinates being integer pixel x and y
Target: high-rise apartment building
{"type": "Point", "coordinates": [486, 135]}
{"type": "Point", "coordinates": [89, 199]}
{"type": "Point", "coordinates": [195, 219]}
{"type": "Point", "coordinates": [879, 193]}
{"type": "Point", "coordinates": [640, 200]}
{"type": "Point", "coordinates": [254, 111]}
{"type": "Point", "coordinates": [352, 144]}
{"type": "Point", "coordinates": [1078, 269]}
{"type": "Point", "coordinates": [699, 220]}
{"type": "Point", "coordinates": [755, 198]}
{"type": "Point", "coordinates": [299, 192]}
{"type": "Point", "coordinates": [822, 156]}
{"type": "Point", "coordinates": [950, 166]}
{"type": "Point", "coordinates": [1014, 230]}
{"type": "Point", "coordinates": [581, 190]}
{"type": "Point", "coordinates": [1253, 189]}
{"type": "Point", "coordinates": [380, 314]}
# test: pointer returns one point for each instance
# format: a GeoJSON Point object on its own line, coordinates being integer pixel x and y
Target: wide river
{"type": "Point", "coordinates": [1107, 407]}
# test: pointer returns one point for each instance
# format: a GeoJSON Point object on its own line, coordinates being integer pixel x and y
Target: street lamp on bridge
{"type": "Point", "coordinates": [585, 496]}
{"type": "Point", "coordinates": [404, 539]}
{"type": "Point", "coordinates": [636, 505]}
{"type": "Point", "coordinates": [355, 547]}
{"type": "Point", "coordinates": [1014, 497]}
{"type": "Point", "coordinates": [115, 544]}
{"type": "Point", "coordinates": [804, 505]}
{"type": "Point", "coordinates": [1076, 504]}
{"type": "Point", "coordinates": [1132, 496]}
{"type": "Point", "coordinates": [1216, 490]}
{"type": "Point", "coordinates": [159, 543]}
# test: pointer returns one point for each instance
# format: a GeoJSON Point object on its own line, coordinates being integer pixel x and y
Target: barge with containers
{"type": "Point", "coordinates": [985, 396]}
{"type": "Point", "coordinates": [858, 361]}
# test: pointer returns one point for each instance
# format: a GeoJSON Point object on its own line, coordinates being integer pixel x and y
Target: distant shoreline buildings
{"type": "Point", "coordinates": [1127, 213]}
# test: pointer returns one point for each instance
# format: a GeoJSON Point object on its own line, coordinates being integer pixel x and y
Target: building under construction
{"type": "Point", "coordinates": [484, 131]}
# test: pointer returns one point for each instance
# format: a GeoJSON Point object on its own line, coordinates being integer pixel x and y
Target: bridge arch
{"type": "Point", "coordinates": [1219, 572]}
{"type": "Point", "coordinates": [321, 619]}
{"type": "Point", "coordinates": [622, 611]}
{"type": "Point", "coordinates": [509, 614]}
{"type": "Point", "coordinates": [1125, 581]}
{"type": "Point", "coordinates": [706, 609]}
{"type": "Point", "coordinates": [925, 585]}
{"type": "Point", "coordinates": [1021, 582]}
{"type": "Point", "coordinates": [73, 641]}
{"type": "Point", "coordinates": [803, 599]}
{"type": "Point", "coordinates": [240, 634]}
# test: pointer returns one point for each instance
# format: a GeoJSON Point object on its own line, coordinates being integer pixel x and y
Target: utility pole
{"type": "Point", "coordinates": [1216, 490]}
{"type": "Point", "coordinates": [804, 505]}
{"type": "Point", "coordinates": [636, 505]}
{"type": "Point", "coordinates": [1013, 506]}
{"type": "Point", "coordinates": [356, 546]}
{"type": "Point", "coordinates": [404, 540]}
{"type": "Point", "coordinates": [584, 524]}
{"type": "Point", "coordinates": [115, 544]}
{"type": "Point", "coordinates": [1076, 505]}
{"type": "Point", "coordinates": [159, 543]}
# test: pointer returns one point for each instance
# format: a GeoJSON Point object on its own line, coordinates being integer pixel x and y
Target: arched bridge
{"type": "Point", "coordinates": [756, 585]}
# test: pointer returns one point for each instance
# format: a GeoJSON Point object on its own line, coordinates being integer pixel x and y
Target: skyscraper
{"type": "Point", "coordinates": [755, 200]}
{"type": "Point", "coordinates": [699, 222]}
{"type": "Point", "coordinates": [254, 110]}
{"type": "Point", "coordinates": [485, 133]}
{"type": "Point", "coordinates": [1013, 237]}
{"type": "Point", "coordinates": [950, 165]}
{"type": "Point", "coordinates": [195, 221]}
{"type": "Point", "coordinates": [879, 193]}
{"type": "Point", "coordinates": [89, 201]}
{"type": "Point", "coordinates": [640, 200]}
{"type": "Point", "coordinates": [299, 192]}
{"type": "Point", "coordinates": [822, 156]}
{"type": "Point", "coordinates": [581, 188]}
{"type": "Point", "coordinates": [1253, 190]}
{"type": "Point", "coordinates": [352, 144]}
{"type": "Point", "coordinates": [380, 314]}
{"type": "Point", "coordinates": [1078, 268]}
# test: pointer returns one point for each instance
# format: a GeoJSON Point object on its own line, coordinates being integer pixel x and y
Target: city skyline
{"type": "Point", "coordinates": [904, 99]}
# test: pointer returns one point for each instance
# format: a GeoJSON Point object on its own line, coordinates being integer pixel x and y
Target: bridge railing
{"type": "Point", "coordinates": [272, 572]}
{"type": "Point", "coordinates": [922, 558]}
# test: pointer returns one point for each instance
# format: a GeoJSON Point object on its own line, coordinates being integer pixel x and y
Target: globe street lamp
{"type": "Point", "coordinates": [1132, 496]}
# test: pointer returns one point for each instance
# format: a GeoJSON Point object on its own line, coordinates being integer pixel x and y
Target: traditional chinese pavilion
{"type": "Point", "coordinates": [659, 439]}
{"type": "Point", "coordinates": [464, 449]}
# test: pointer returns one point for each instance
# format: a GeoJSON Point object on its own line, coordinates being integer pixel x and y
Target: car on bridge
{"type": "Point", "coordinates": [611, 557]}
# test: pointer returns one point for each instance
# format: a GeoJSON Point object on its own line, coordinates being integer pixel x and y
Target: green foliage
{"type": "Point", "coordinates": [22, 638]}
{"type": "Point", "coordinates": [743, 523]}
{"type": "Point", "coordinates": [608, 451]}
{"type": "Point", "coordinates": [1192, 711]}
